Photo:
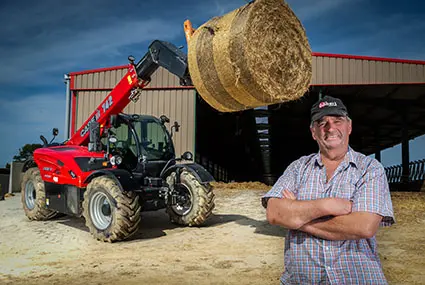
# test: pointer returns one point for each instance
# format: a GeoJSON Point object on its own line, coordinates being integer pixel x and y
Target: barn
{"type": "Point", "coordinates": [385, 98]}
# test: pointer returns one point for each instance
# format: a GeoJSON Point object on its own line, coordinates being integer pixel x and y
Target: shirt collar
{"type": "Point", "coordinates": [348, 159]}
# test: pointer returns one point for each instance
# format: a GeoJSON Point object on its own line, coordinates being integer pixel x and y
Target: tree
{"type": "Point", "coordinates": [26, 152]}
{"type": "Point", "coordinates": [7, 165]}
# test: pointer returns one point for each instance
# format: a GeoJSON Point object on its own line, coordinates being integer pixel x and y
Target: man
{"type": "Point", "coordinates": [332, 202]}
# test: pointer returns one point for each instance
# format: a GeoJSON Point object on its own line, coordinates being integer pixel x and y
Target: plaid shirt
{"type": "Point", "coordinates": [312, 260]}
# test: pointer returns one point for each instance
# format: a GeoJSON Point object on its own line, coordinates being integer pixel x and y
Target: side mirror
{"type": "Point", "coordinates": [55, 132]}
{"type": "Point", "coordinates": [114, 121]}
{"type": "Point", "coordinates": [187, 155]}
{"type": "Point", "coordinates": [94, 137]}
{"type": "Point", "coordinates": [164, 119]}
{"type": "Point", "coordinates": [176, 126]}
{"type": "Point", "coordinates": [131, 59]}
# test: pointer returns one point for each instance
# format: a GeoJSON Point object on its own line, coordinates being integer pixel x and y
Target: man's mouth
{"type": "Point", "coordinates": [332, 137]}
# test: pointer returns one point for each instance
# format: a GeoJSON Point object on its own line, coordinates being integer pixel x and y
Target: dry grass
{"type": "Point", "coordinates": [401, 246]}
{"type": "Point", "coordinates": [241, 186]}
{"type": "Point", "coordinates": [409, 207]}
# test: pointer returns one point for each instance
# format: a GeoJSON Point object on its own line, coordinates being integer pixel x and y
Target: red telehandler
{"type": "Point", "coordinates": [118, 165]}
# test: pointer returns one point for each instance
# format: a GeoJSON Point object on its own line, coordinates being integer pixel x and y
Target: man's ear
{"type": "Point", "coordinates": [350, 127]}
{"type": "Point", "coordinates": [312, 133]}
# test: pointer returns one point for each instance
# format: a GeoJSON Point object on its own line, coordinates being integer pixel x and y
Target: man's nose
{"type": "Point", "coordinates": [329, 125]}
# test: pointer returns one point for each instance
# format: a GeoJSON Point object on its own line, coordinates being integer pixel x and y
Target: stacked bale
{"type": "Point", "coordinates": [254, 56]}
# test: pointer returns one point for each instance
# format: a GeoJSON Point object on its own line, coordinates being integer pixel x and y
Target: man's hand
{"type": "Point", "coordinates": [338, 206]}
{"type": "Point", "coordinates": [288, 195]}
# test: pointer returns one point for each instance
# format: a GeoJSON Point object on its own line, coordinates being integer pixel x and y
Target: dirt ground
{"type": "Point", "coordinates": [236, 246]}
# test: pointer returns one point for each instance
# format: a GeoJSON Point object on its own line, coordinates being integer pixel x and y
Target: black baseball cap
{"type": "Point", "coordinates": [328, 106]}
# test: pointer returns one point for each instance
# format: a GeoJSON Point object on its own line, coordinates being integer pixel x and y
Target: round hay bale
{"type": "Point", "coordinates": [256, 55]}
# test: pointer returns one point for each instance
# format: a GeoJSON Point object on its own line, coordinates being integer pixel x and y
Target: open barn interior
{"type": "Point", "coordinates": [258, 144]}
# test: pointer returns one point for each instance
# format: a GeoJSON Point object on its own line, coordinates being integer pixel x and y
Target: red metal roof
{"type": "Point", "coordinates": [97, 70]}
{"type": "Point", "coordinates": [321, 54]}
{"type": "Point", "coordinates": [372, 58]}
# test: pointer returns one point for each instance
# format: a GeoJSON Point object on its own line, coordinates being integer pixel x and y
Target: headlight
{"type": "Point", "coordinates": [187, 155]}
{"type": "Point", "coordinates": [116, 160]}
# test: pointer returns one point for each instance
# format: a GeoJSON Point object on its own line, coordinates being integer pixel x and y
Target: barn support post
{"type": "Point", "coordinates": [378, 152]}
{"type": "Point", "coordinates": [66, 132]}
{"type": "Point", "coordinates": [378, 155]}
{"type": "Point", "coordinates": [405, 147]}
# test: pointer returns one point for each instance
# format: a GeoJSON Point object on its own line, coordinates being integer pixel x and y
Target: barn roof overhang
{"type": "Point", "coordinates": [379, 114]}
{"type": "Point", "coordinates": [384, 97]}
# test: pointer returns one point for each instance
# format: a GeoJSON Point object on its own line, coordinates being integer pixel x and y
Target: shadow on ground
{"type": "Point", "coordinates": [154, 224]}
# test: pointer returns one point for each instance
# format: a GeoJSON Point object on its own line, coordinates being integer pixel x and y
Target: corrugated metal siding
{"type": "Point", "coordinates": [337, 71]}
{"type": "Point", "coordinates": [108, 79]}
{"type": "Point", "coordinates": [177, 104]}
{"type": "Point", "coordinates": [163, 78]}
{"type": "Point", "coordinates": [104, 79]}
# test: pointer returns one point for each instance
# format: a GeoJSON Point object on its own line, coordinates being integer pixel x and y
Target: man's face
{"type": "Point", "coordinates": [331, 132]}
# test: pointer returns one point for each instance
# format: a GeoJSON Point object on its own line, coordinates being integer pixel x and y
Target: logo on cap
{"type": "Point", "coordinates": [327, 104]}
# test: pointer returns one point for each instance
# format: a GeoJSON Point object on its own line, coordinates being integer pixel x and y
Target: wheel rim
{"type": "Point", "coordinates": [30, 195]}
{"type": "Point", "coordinates": [100, 211]}
{"type": "Point", "coordinates": [184, 201]}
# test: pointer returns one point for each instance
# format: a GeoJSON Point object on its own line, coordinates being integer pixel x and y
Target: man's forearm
{"type": "Point", "coordinates": [293, 214]}
{"type": "Point", "coordinates": [353, 226]}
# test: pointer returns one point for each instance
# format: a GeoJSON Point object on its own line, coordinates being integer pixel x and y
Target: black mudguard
{"type": "Point", "coordinates": [29, 163]}
{"type": "Point", "coordinates": [197, 170]}
{"type": "Point", "coordinates": [123, 176]}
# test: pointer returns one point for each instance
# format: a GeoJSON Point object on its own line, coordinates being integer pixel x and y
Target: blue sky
{"type": "Point", "coordinates": [43, 40]}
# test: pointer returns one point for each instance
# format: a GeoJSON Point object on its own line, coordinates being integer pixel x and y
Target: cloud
{"type": "Point", "coordinates": [86, 48]}
{"type": "Point", "coordinates": [308, 10]}
{"type": "Point", "coordinates": [376, 36]}
{"type": "Point", "coordinates": [24, 120]}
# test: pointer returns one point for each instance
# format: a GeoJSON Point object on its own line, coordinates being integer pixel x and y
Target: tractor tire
{"type": "Point", "coordinates": [33, 196]}
{"type": "Point", "coordinates": [199, 203]}
{"type": "Point", "coordinates": [111, 213]}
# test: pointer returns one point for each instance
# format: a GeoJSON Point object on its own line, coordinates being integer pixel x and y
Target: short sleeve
{"type": "Point", "coordinates": [286, 181]}
{"type": "Point", "coordinates": [373, 194]}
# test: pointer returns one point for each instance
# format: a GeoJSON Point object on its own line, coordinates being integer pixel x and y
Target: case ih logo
{"type": "Point", "coordinates": [327, 104]}
{"type": "Point", "coordinates": [105, 106]}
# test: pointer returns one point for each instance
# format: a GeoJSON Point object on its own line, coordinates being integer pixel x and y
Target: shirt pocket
{"type": "Point", "coordinates": [308, 192]}
{"type": "Point", "coordinates": [309, 187]}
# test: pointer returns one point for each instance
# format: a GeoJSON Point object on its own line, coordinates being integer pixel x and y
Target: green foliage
{"type": "Point", "coordinates": [26, 152]}
{"type": "Point", "coordinates": [7, 165]}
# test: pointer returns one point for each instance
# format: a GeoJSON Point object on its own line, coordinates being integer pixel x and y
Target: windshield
{"type": "Point", "coordinates": [155, 142]}
{"type": "Point", "coordinates": [154, 139]}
